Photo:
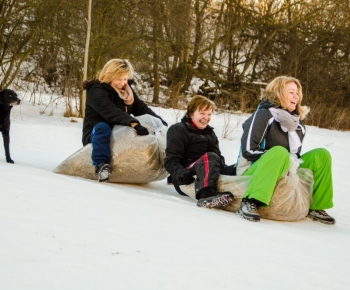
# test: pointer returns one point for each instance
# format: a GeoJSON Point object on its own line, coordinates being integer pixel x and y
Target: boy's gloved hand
{"type": "Point", "coordinates": [187, 179]}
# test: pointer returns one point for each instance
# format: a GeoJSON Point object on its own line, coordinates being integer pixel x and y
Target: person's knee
{"type": "Point", "coordinates": [213, 157]}
{"type": "Point", "coordinates": [323, 155]}
{"type": "Point", "coordinates": [279, 151]}
{"type": "Point", "coordinates": [102, 127]}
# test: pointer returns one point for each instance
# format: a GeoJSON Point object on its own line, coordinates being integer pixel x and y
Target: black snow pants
{"type": "Point", "coordinates": [208, 169]}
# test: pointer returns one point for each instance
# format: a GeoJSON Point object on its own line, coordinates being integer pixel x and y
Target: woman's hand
{"type": "Point", "coordinates": [140, 130]}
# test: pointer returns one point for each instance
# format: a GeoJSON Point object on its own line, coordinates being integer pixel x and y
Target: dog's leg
{"type": "Point", "coordinates": [6, 137]}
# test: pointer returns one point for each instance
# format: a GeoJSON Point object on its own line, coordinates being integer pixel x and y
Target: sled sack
{"type": "Point", "coordinates": [290, 201]}
{"type": "Point", "coordinates": [134, 158]}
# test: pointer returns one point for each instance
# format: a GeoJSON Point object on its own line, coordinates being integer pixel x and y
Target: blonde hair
{"type": "Point", "coordinates": [114, 68]}
{"type": "Point", "coordinates": [275, 94]}
{"type": "Point", "coordinates": [199, 102]}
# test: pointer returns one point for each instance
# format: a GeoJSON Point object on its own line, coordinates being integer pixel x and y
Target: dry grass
{"type": "Point", "coordinates": [334, 116]}
{"type": "Point", "coordinates": [329, 116]}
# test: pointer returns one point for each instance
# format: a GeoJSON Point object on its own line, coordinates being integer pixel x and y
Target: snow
{"type": "Point", "coordinates": [63, 232]}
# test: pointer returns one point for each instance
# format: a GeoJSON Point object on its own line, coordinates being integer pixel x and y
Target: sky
{"type": "Point", "coordinates": [65, 232]}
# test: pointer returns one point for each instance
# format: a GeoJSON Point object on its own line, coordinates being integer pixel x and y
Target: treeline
{"type": "Point", "coordinates": [231, 45]}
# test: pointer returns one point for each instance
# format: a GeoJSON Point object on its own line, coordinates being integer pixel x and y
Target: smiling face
{"type": "Point", "coordinates": [120, 81]}
{"type": "Point", "coordinates": [201, 118]}
{"type": "Point", "coordinates": [291, 96]}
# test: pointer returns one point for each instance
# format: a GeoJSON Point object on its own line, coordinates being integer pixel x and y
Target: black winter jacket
{"type": "Point", "coordinates": [186, 144]}
{"type": "Point", "coordinates": [261, 132]}
{"type": "Point", "coordinates": [103, 104]}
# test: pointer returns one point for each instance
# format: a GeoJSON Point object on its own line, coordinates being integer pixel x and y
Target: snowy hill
{"type": "Point", "coordinates": [63, 232]}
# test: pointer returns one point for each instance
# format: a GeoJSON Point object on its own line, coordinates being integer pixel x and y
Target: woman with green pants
{"type": "Point", "coordinates": [271, 144]}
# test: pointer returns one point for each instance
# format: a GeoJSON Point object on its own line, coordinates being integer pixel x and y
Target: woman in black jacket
{"type": "Point", "coordinates": [193, 149]}
{"type": "Point", "coordinates": [111, 101]}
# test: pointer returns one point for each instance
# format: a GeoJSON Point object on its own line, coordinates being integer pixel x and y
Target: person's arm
{"type": "Point", "coordinates": [177, 141]}
{"type": "Point", "coordinates": [254, 131]}
{"type": "Point", "coordinates": [218, 151]}
{"type": "Point", "coordinates": [141, 108]}
{"type": "Point", "coordinates": [98, 99]}
{"type": "Point", "coordinates": [301, 133]}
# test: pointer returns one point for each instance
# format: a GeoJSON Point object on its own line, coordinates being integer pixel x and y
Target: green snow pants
{"type": "Point", "coordinates": [275, 162]}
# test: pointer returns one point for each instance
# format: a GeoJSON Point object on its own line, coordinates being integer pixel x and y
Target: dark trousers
{"type": "Point", "coordinates": [100, 140]}
{"type": "Point", "coordinates": [208, 169]}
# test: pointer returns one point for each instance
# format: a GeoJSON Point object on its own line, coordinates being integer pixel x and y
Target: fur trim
{"type": "Point", "coordinates": [87, 84]}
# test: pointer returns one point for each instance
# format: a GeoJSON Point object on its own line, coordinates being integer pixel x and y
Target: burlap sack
{"type": "Point", "coordinates": [290, 202]}
{"type": "Point", "coordinates": [235, 184]}
{"type": "Point", "coordinates": [134, 158]}
{"type": "Point", "coordinates": [292, 197]}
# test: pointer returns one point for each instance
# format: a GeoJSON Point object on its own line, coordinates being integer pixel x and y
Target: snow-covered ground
{"type": "Point", "coordinates": [62, 232]}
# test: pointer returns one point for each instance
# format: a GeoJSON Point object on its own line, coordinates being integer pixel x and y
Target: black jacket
{"type": "Point", "coordinates": [103, 104]}
{"type": "Point", "coordinates": [261, 132]}
{"type": "Point", "coordinates": [186, 144]}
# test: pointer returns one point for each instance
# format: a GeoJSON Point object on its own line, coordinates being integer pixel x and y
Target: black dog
{"type": "Point", "coordinates": [8, 98]}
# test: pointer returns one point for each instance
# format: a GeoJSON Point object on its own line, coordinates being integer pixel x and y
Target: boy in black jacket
{"type": "Point", "coordinates": [193, 149]}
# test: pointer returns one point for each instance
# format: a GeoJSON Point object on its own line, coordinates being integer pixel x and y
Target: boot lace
{"type": "Point", "coordinates": [251, 206]}
{"type": "Point", "coordinates": [322, 212]}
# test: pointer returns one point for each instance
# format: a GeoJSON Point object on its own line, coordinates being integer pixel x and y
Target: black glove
{"type": "Point", "coordinates": [164, 123]}
{"type": "Point", "coordinates": [186, 179]}
{"type": "Point", "coordinates": [140, 130]}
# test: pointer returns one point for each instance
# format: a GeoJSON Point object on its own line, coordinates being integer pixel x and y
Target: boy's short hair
{"type": "Point", "coordinates": [199, 102]}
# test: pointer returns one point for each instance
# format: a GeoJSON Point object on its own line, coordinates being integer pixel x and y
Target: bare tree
{"type": "Point", "coordinates": [19, 36]}
{"type": "Point", "coordinates": [86, 58]}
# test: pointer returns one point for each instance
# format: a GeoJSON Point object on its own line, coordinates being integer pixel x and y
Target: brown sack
{"type": "Point", "coordinates": [292, 197]}
{"type": "Point", "coordinates": [235, 184]}
{"type": "Point", "coordinates": [134, 158]}
{"type": "Point", "coordinates": [290, 202]}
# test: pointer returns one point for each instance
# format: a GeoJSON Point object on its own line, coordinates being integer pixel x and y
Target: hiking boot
{"type": "Point", "coordinates": [320, 215]}
{"type": "Point", "coordinates": [103, 171]}
{"type": "Point", "coordinates": [209, 197]}
{"type": "Point", "coordinates": [248, 211]}
{"type": "Point", "coordinates": [220, 200]}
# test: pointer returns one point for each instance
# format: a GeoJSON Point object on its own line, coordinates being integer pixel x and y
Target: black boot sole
{"type": "Point", "coordinates": [249, 218]}
{"type": "Point", "coordinates": [321, 220]}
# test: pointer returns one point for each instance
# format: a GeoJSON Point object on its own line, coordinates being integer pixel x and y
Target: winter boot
{"type": "Point", "coordinates": [103, 171]}
{"type": "Point", "coordinates": [209, 197]}
{"type": "Point", "coordinates": [321, 216]}
{"type": "Point", "coordinates": [248, 211]}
